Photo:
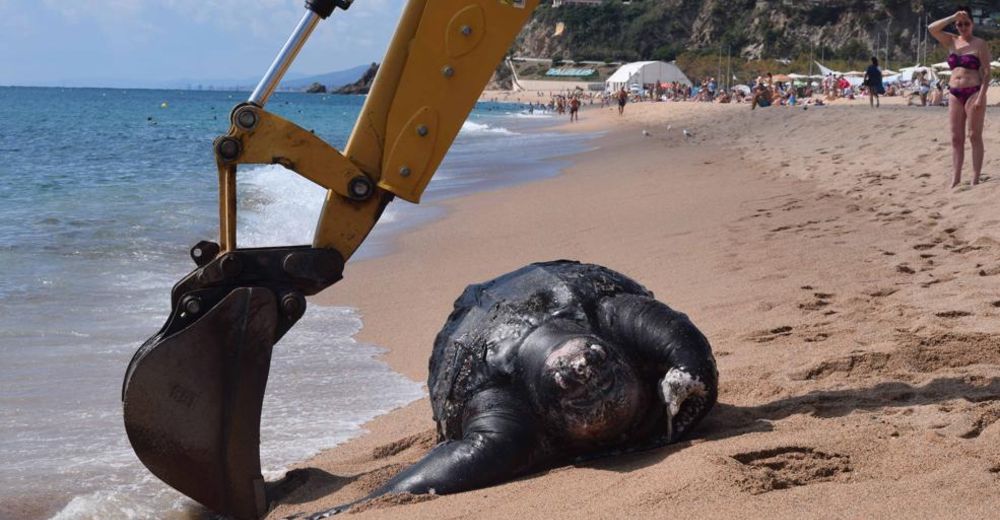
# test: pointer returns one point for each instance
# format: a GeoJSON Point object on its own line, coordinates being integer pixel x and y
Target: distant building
{"type": "Point", "coordinates": [557, 3]}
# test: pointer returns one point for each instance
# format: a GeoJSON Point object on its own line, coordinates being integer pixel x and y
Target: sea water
{"type": "Point", "coordinates": [102, 194]}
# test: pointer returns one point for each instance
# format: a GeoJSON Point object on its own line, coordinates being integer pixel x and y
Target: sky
{"type": "Point", "coordinates": [153, 43]}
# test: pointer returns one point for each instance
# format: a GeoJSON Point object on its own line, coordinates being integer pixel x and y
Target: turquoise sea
{"type": "Point", "coordinates": [102, 193]}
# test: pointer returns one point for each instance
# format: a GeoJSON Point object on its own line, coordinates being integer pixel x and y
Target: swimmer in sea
{"type": "Point", "coordinates": [969, 60]}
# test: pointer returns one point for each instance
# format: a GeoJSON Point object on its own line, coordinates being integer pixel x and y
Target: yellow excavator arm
{"type": "Point", "coordinates": [193, 392]}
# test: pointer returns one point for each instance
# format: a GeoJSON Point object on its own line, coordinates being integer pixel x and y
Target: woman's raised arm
{"type": "Point", "coordinates": [937, 29]}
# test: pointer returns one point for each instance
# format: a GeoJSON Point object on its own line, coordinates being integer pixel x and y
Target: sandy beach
{"type": "Point", "coordinates": [850, 297]}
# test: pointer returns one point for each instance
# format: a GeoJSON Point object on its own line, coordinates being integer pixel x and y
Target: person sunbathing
{"type": "Point", "coordinates": [762, 97]}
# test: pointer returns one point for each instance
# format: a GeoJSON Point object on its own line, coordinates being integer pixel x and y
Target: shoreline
{"type": "Point", "coordinates": [722, 233]}
{"type": "Point", "coordinates": [384, 240]}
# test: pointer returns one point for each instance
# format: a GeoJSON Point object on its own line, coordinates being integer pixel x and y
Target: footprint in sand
{"type": "Point", "coordinates": [952, 314]}
{"type": "Point", "coordinates": [992, 271]}
{"type": "Point", "coordinates": [921, 354]}
{"type": "Point", "coordinates": [989, 414]}
{"type": "Point", "coordinates": [789, 466]}
{"type": "Point", "coordinates": [769, 335]}
{"type": "Point", "coordinates": [965, 249]}
{"type": "Point", "coordinates": [424, 441]}
{"type": "Point", "coordinates": [818, 337]}
{"type": "Point", "coordinates": [821, 300]}
{"type": "Point", "coordinates": [881, 292]}
{"type": "Point", "coordinates": [935, 281]}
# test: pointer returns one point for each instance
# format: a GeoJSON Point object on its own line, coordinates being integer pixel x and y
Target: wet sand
{"type": "Point", "coordinates": [851, 299]}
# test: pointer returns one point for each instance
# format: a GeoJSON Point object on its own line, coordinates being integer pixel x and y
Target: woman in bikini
{"type": "Point", "coordinates": [970, 78]}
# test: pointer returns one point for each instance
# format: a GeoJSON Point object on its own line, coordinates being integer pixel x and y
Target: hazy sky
{"type": "Point", "coordinates": [133, 42]}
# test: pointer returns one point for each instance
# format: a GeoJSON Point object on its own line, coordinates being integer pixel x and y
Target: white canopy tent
{"type": "Point", "coordinates": [909, 74]}
{"type": "Point", "coordinates": [855, 78]}
{"type": "Point", "coordinates": [645, 72]}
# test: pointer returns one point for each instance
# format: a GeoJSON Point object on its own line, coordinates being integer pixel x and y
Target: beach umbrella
{"type": "Point", "coordinates": [942, 65]}
{"type": "Point", "coordinates": [887, 72]}
{"type": "Point", "coordinates": [854, 73]}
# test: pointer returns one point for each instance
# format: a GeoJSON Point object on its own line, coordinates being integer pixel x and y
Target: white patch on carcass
{"type": "Point", "coordinates": [676, 387]}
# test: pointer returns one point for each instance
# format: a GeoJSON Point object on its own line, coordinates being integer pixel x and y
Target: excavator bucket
{"type": "Point", "coordinates": [193, 392]}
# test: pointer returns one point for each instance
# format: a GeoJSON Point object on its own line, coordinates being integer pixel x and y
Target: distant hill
{"type": "Point", "coordinates": [362, 85]}
{"type": "Point", "coordinates": [292, 81]}
{"type": "Point", "coordinates": [332, 80]}
{"type": "Point", "coordinates": [700, 33]}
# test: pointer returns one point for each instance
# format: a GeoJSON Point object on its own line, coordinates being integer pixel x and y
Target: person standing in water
{"type": "Point", "coordinates": [873, 80]}
{"type": "Point", "coordinates": [969, 60]}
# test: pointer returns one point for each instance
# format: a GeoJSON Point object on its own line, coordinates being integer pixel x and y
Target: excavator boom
{"type": "Point", "coordinates": [193, 392]}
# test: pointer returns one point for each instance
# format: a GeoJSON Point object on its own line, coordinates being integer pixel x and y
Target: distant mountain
{"type": "Point", "coordinates": [699, 34]}
{"type": "Point", "coordinates": [362, 85]}
{"type": "Point", "coordinates": [292, 81]}
{"type": "Point", "coordinates": [617, 30]}
{"type": "Point", "coordinates": [332, 80]}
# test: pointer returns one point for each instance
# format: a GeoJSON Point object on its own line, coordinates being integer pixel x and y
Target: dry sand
{"type": "Point", "coordinates": [850, 297]}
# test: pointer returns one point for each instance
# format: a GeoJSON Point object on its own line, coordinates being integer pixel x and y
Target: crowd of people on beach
{"type": "Point", "coordinates": [962, 89]}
